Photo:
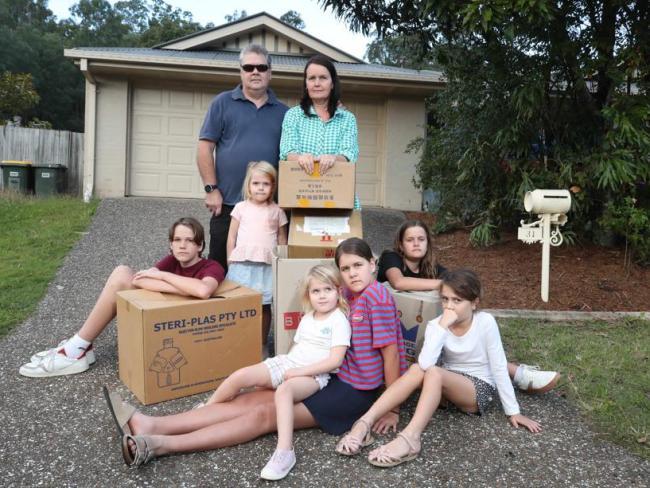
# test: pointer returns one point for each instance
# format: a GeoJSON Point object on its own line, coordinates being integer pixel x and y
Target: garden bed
{"type": "Point", "coordinates": [583, 277]}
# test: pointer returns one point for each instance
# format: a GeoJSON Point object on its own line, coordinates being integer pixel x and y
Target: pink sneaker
{"type": "Point", "coordinates": [279, 465]}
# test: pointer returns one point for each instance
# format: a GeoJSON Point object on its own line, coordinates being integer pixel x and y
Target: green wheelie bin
{"type": "Point", "coordinates": [17, 176]}
{"type": "Point", "coordinates": [49, 179]}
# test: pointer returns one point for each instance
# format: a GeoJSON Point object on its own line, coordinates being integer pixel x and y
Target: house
{"type": "Point", "coordinates": [145, 107]}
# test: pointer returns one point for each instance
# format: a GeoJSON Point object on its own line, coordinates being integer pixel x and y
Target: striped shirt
{"type": "Point", "coordinates": [302, 134]}
{"type": "Point", "coordinates": [375, 325]}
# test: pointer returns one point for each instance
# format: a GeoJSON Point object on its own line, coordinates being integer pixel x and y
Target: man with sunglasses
{"type": "Point", "coordinates": [241, 125]}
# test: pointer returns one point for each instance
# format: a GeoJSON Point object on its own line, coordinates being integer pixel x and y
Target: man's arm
{"type": "Point", "coordinates": [205, 161]}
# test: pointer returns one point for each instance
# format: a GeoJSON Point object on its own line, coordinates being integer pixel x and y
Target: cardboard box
{"type": "Point", "coordinates": [171, 346]}
{"type": "Point", "coordinates": [287, 302]}
{"type": "Point", "coordinates": [316, 233]}
{"type": "Point", "coordinates": [334, 189]}
{"type": "Point", "coordinates": [415, 309]}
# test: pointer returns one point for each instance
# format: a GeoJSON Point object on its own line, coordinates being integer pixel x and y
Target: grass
{"type": "Point", "coordinates": [36, 235]}
{"type": "Point", "coordinates": [606, 371]}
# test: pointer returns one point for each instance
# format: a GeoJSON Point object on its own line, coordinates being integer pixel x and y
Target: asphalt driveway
{"type": "Point", "coordinates": [57, 432]}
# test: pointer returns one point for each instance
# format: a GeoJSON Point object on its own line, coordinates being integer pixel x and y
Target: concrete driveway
{"type": "Point", "coordinates": [57, 431]}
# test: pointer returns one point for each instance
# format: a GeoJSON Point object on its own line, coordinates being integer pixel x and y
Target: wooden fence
{"type": "Point", "coordinates": [44, 146]}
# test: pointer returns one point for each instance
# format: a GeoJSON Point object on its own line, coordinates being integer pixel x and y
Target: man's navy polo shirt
{"type": "Point", "coordinates": [242, 133]}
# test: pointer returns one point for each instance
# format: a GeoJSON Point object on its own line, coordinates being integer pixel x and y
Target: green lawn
{"type": "Point", "coordinates": [35, 237]}
{"type": "Point", "coordinates": [605, 367]}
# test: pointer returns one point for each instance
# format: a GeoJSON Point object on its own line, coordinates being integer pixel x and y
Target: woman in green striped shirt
{"type": "Point", "coordinates": [320, 128]}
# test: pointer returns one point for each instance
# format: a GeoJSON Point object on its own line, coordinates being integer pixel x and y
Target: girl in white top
{"type": "Point", "coordinates": [257, 225]}
{"type": "Point", "coordinates": [474, 369]}
{"type": "Point", "coordinates": [320, 344]}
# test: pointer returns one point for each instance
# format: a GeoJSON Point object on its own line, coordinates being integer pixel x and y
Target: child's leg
{"type": "Point", "coordinates": [256, 375]}
{"type": "Point", "coordinates": [438, 382]}
{"type": "Point", "coordinates": [106, 305]}
{"type": "Point", "coordinates": [288, 393]}
{"type": "Point", "coordinates": [266, 323]}
{"type": "Point", "coordinates": [394, 395]}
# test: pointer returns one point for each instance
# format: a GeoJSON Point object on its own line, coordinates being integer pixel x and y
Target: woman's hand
{"type": "Point", "coordinates": [518, 419]}
{"type": "Point", "coordinates": [306, 162]}
{"type": "Point", "coordinates": [325, 162]}
{"type": "Point", "coordinates": [387, 423]}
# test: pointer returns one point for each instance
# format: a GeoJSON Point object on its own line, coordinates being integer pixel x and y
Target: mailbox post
{"type": "Point", "coordinates": [551, 207]}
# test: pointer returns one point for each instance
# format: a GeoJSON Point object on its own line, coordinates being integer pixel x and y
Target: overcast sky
{"type": "Point", "coordinates": [319, 23]}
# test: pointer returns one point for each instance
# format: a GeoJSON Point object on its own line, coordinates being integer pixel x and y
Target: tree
{"type": "Point", "coordinates": [17, 94]}
{"type": "Point", "coordinates": [236, 15]}
{"type": "Point", "coordinates": [539, 94]}
{"type": "Point", "coordinates": [402, 50]}
{"type": "Point", "coordinates": [293, 18]}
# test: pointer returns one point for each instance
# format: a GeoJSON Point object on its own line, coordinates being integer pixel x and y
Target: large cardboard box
{"type": "Point", "coordinates": [287, 302]}
{"type": "Point", "coordinates": [334, 189]}
{"type": "Point", "coordinates": [316, 233]}
{"type": "Point", "coordinates": [171, 346]}
{"type": "Point", "coordinates": [415, 310]}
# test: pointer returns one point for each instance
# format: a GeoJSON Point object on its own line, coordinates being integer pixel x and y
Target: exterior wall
{"type": "Point", "coordinates": [405, 120]}
{"type": "Point", "coordinates": [111, 137]}
{"type": "Point", "coordinates": [275, 43]}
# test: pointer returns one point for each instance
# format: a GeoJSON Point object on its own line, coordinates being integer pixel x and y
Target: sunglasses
{"type": "Point", "coordinates": [249, 68]}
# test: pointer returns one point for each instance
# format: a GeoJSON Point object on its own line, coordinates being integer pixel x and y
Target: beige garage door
{"type": "Point", "coordinates": [164, 129]}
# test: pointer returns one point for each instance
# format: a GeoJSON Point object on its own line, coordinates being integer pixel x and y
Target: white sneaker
{"type": "Point", "coordinates": [532, 380]}
{"type": "Point", "coordinates": [279, 465]}
{"type": "Point", "coordinates": [55, 363]}
{"type": "Point", "coordinates": [90, 353]}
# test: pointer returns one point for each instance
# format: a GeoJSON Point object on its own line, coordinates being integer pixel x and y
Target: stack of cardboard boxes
{"type": "Point", "coordinates": [322, 216]}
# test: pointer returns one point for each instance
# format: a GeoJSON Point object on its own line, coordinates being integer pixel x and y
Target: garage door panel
{"type": "Point", "coordinates": [168, 118]}
{"type": "Point", "coordinates": [179, 184]}
{"type": "Point", "coordinates": [147, 124]}
{"type": "Point", "coordinates": [368, 192]}
{"type": "Point", "coordinates": [182, 156]}
{"type": "Point", "coordinates": [368, 165]}
{"type": "Point", "coordinates": [146, 182]}
{"type": "Point", "coordinates": [181, 126]}
{"type": "Point", "coordinates": [181, 99]}
{"type": "Point", "coordinates": [147, 154]}
{"type": "Point", "coordinates": [148, 97]}
{"type": "Point", "coordinates": [369, 137]}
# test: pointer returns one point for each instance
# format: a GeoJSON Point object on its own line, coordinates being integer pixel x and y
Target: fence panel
{"type": "Point", "coordinates": [45, 146]}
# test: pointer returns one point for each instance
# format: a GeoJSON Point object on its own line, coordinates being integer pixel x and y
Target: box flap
{"type": "Point", "coordinates": [148, 300]}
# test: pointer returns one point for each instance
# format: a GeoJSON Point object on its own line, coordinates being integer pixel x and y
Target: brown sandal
{"type": "Point", "coordinates": [142, 453]}
{"type": "Point", "coordinates": [384, 459]}
{"type": "Point", "coordinates": [120, 411]}
{"type": "Point", "coordinates": [350, 445]}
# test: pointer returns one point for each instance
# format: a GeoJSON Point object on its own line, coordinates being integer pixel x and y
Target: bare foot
{"type": "Point", "coordinates": [403, 448]}
{"type": "Point", "coordinates": [141, 424]}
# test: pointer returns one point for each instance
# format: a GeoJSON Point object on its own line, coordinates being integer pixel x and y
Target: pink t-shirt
{"type": "Point", "coordinates": [258, 231]}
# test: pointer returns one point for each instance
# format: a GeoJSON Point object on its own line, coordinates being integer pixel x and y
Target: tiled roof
{"type": "Point", "coordinates": [231, 58]}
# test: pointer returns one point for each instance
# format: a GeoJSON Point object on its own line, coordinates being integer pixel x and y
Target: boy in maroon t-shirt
{"type": "Point", "coordinates": [184, 272]}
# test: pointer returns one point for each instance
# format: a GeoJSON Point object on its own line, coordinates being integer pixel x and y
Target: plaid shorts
{"type": "Point", "coordinates": [280, 364]}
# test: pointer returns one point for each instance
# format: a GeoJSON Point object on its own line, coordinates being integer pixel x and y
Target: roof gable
{"type": "Point", "coordinates": [263, 29]}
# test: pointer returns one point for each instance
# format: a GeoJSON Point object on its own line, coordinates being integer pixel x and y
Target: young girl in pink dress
{"type": "Point", "coordinates": [257, 225]}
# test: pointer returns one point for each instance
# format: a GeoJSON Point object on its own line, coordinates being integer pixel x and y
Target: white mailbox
{"type": "Point", "coordinates": [551, 207]}
{"type": "Point", "coordinates": [547, 201]}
